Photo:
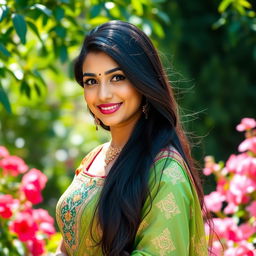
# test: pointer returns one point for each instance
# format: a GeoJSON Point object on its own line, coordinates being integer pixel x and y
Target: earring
{"type": "Point", "coordinates": [145, 109]}
{"type": "Point", "coordinates": [97, 122]}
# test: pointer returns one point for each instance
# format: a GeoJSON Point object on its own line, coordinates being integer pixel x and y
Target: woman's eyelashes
{"type": "Point", "coordinates": [90, 81]}
{"type": "Point", "coordinates": [118, 77]}
{"type": "Point", "coordinates": [114, 78]}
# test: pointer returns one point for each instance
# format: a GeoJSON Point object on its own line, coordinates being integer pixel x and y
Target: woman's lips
{"type": "Point", "coordinates": [109, 108]}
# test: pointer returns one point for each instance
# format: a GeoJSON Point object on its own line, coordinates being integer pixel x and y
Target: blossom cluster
{"type": "Point", "coordinates": [24, 230]}
{"type": "Point", "coordinates": [233, 204]}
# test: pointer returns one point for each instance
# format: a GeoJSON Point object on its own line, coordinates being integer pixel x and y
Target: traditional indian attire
{"type": "Point", "coordinates": [174, 225]}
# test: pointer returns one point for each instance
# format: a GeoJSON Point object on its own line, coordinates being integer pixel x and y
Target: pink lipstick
{"type": "Point", "coordinates": [109, 108]}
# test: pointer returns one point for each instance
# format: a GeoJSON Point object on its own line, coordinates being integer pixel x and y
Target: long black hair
{"type": "Point", "coordinates": [126, 186]}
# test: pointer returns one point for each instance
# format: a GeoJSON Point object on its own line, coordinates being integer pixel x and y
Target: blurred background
{"type": "Point", "coordinates": [208, 49]}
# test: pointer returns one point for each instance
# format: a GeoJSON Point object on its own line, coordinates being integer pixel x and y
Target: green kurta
{"type": "Point", "coordinates": [173, 226]}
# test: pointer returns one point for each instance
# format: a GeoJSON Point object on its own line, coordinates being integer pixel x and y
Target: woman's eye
{"type": "Point", "coordinates": [90, 81]}
{"type": "Point", "coordinates": [118, 77]}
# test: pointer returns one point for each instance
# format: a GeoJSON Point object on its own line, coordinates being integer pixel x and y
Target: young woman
{"type": "Point", "coordinates": [138, 194]}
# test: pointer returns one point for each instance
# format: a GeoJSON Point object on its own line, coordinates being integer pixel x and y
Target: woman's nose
{"type": "Point", "coordinates": [105, 92]}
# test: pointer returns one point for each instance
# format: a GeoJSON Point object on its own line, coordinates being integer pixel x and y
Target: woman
{"type": "Point", "coordinates": [138, 194]}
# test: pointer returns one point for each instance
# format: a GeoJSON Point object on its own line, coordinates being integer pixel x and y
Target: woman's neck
{"type": "Point", "coordinates": [121, 134]}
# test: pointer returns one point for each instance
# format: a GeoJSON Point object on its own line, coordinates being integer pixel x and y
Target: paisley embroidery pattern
{"type": "Point", "coordinates": [168, 206]}
{"type": "Point", "coordinates": [164, 243]}
{"type": "Point", "coordinates": [175, 173]}
{"type": "Point", "coordinates": [71, 208]}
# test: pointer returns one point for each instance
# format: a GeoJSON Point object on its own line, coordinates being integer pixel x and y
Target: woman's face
{"type": "Point", "coordinates": [109, 94]}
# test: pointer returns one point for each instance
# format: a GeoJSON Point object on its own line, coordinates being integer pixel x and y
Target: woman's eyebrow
{"type": "Point", "coordinates": [106, 73]}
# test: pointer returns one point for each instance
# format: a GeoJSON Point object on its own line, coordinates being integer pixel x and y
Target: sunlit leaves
{"type": "Point", "coordinates": [239, 5]}
{"type": "Point", "coordinates": [3, 12]}
{"type": "Point", "coordinates": [36, 34]}
{"type": "Point", "coordinates": [4, 51]}
{"type": "Point", "coordinates": [4, 99]}
{"type": "Point", "coordinates": [43, 9]}
{"type": "Point", "coordinates": [20, 26]}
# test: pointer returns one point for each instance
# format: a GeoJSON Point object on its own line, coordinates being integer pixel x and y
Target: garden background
{"type": "Point", "coordinates": [208, 49]}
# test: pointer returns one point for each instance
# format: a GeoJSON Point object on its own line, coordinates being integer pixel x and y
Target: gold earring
{"type": "Point", "coordinates": [145, 109]}
{"type": "Point", "coordinates": [97, 122]}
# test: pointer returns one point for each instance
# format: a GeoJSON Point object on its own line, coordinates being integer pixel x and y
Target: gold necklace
{"type": "Point", "coordinates": [111, 154]}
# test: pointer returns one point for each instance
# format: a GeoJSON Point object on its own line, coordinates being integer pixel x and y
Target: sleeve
{"type": "Point", "coordinates": [165, 228]}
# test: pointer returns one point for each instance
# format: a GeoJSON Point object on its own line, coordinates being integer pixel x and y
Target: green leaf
{"type": "Point", "coordinates": [35, 30]}
{"type": "Point", "coordinates": [20, 26]}
{"type": "Point", "coordinates": [224, 5]}
{"type": "Point", "coordinates": [98, 20]}
{"type": "Point", "coordinates": [38, 90]}
{"type": "Point", "coordinates": [24, 88]}
{"type": "Point", "coordinates": [37, 74]}
{"type": "Point", "coordinates": [137, 5]}
{"type": "Point", "coordinates": [95, 10]}
{"type": "Point", "coordinates": [63, 53]}
{"type": "Point", "coordinates": [3, 12]}
{"type": "Point", "coordinates": [43, 9]}
{"type": "Point", "coordinates": [59, 13]}
{"type": "Point", "coordinates": [4, 100]}
{"type": "Point", "coordinates": [60, 31]}
{"type": "Point", "coordinates": [4, 50]}
{"type": "Point", "coordinates": [158, 30]}
{"type": "Point", "coordinates": [163, 16]}
{"type": "Point", "coordinates": [245, 4]}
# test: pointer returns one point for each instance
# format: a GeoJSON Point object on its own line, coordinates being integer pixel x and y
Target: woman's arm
{"type": "Point", "coordinates": [61, 250]}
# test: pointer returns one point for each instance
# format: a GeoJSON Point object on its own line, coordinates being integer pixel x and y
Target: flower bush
{"type": "Point", "coordinates": [233, 204]}
{"type": "Point", "coordinates": [23, 229]}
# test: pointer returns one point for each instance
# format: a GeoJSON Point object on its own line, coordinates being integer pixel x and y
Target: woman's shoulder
{"type": "Point", "coordinates": [170, 155]}
{"type": "Point", "coordinates": [170, 167]}
{"type": "Point", "coordinates": [89, 157]}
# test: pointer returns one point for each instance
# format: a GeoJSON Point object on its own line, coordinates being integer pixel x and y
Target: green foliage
{"type": "Point", "coordinates": [33, 35]}
{"type": "Point", "coordinates": [43, 114]}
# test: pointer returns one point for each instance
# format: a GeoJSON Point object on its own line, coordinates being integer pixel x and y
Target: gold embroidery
{"type": "Point", "coordinates": [192, 213]}
{"type": "Point", "coordinates": [168, 206]}
{"type": "Point", "coordinates": [199, 246]}
{"type": "Point", "coordinates": [175, 173]}
{"type": "Point", "coordinates": [88, 242]}
{"type": "Point", "coordinates": [68, 216]}
{"type": "Point", "coordinates": [164, 243]}
{"type": "Point", "coordinates": [142, 225]}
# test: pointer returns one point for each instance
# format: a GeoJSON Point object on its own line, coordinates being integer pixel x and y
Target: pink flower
{"type": "Point", "coordinates": [216, 248]}
{"type": "Point", "coordinates": [13, 165]}
{"type": "Point", "coordinates": [234, 161]}
{"type": "Point", "coordinates": [222, 185]}
{"type": "Point", "coordinates": [246, 230]}
{"type": "Point", "coordinates": [6, 204]}
{"type": "Point", "coordinates": [239, 188]}
{"type": "Point", "coordinates": [248, 145]}
{"type": "Point", "coordinates": [246, 124]}
{"type": "Point", "coordinates": [32, 193]}
{"type": "Point", "coordinates": [243, 249]}
{"type": "Point", "coordinates": [252, 209]}
{"type": "Point", "coordinates": [36, 177]}
{"type": "Point", "coordinates": [213, 201]}
{"type": "Point", "coordinates": [36, 247]}
{"type": "Point", "coordinates": [226, 228]}
{"type": "Point", "coordinates": [24, 226]}
{"type": "Point", "coordinates": [44, 221]}
{"type": "Point", "coordinates": [247, 166]}
{"type": "Point", "coordinates": [3, 152]}
{"type": "Point", "coordinates": [231, 208]}
{"type": "Point", "coordinates": [210, 165]}
{"type": "Point", "coordinates": [32, 184]}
